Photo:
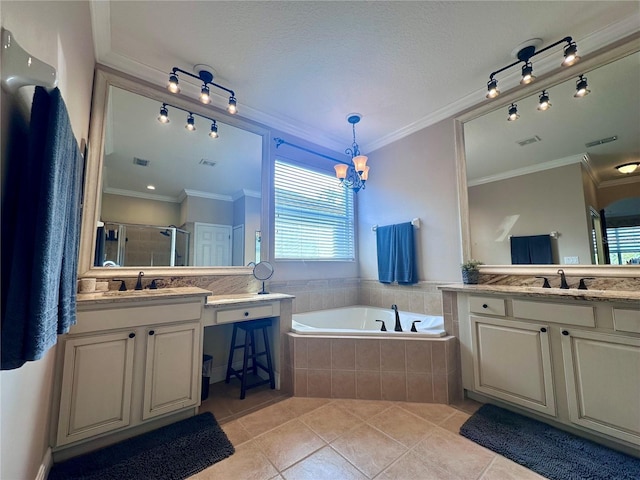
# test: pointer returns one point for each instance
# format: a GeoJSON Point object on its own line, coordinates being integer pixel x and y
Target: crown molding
{"type": "Point", "coordinates": [146, 196]}
{"type": "Point", "coordinates": [620, 181]}
{"type": "Point", "coordinates": [187, 192]}
{"type": "Point", "coordinates": [101, 23]}
{"type": "Point", "coordinates": [560, 162]}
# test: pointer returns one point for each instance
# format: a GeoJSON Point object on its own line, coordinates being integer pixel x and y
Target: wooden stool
{"type": "Point", "coordinates": [250, 345]}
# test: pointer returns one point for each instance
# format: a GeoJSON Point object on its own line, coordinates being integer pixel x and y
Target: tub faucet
{"type": "Point", "coordinates": [139, 282]}
{"type": "Point", "coordinates": [563, 279]}
{"type": "Point", "coordinates": [398, 327]}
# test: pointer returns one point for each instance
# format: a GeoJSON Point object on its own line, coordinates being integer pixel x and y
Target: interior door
{"type": "Point", "coordinates": [237, 252]}
{"type": "Point", "coordinates": [212, 245]}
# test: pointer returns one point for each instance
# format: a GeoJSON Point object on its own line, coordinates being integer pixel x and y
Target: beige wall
{"type": "Point", "coordinates": [208, 210]}
{"type": "Point", "coordinates": [414, 177]}
{"type": "Point", "coordinates": [551, 200]}
{"type": "Point", "coordinates": [140, 211]}
{"type": "Point", "coordinates": [609, 195]}
{"type": "Point", "coordinates": [58, 33]}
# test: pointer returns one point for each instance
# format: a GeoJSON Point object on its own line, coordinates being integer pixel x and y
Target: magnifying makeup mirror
{"type": "Point", "coordinates": [263, 271]}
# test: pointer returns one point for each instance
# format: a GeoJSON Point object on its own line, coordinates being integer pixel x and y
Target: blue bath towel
{"type": "Point", "coordinates": [39, 300]}
{"type": "Point", "coordinates": [396, 254]}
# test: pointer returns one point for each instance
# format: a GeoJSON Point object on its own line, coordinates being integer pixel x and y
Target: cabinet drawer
{"type": "Point", "coordinates": [487, 305]}
{"type": "Point", "coordinates": [248, 313]}
{"type": "Point", "coordinates": [626, 320]}
{"type": "Point", "coordinates": [581, 315]}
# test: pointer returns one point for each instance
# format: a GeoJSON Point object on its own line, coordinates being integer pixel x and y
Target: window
{"type": "Point", "coordinates": [314, 215]}
{"type": "Point", "coordinates": [624, 245]}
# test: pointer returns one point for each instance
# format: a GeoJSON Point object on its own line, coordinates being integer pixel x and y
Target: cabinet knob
{"type": "Point", "coordinates": [151, 332]}
{"type": "Point", "coordinates": [543, 330]}
{"type": "Point", "coordinates": [246, 314]}
{"type": "Point", "coordinates": [131, 335]}
{"type": "Point", "coordinates": [564, 332]}
{"type": "Point", "coordinates": [484, 305]}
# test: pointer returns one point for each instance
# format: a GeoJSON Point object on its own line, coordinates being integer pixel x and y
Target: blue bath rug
{"type": "Point", "coordinates": [551, 452]}
{"type": "Point", "coordinates": [173, 452]}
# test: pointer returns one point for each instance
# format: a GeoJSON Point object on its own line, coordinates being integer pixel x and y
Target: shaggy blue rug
{"type": "Point", "coordinates": [174, 452]}
{"type": "Point", "coordinates": [551, 452]}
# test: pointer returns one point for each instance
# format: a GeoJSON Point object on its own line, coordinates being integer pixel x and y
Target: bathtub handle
{"type": "Point", "coordinates": [413, 325]}
{"type": "Point", "coordinates": [384, 327]}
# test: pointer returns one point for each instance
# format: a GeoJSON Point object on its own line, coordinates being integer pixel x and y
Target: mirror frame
{"type": "Point", "coordinates": [608, 54]}
{"type": "Point", "coordinates": [104, 78]}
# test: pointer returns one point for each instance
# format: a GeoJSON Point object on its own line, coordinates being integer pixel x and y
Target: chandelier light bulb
{"type": "Point", "coordinates": [173, 86]}
{"type": "Point", "coordinates": [513, 113]}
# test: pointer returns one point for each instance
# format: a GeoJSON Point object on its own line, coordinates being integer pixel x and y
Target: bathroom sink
{"type": "Point", "coordinates": [146, 292]}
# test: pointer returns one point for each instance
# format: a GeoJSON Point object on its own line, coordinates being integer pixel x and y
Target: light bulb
{"type": "Point", "coordinates": [173, 86]}
{"type": "Point", "coordinates": [513, 113]}
{"type": "Point", "coordinates": [214, 130]}
{"type": "Point", "coordinates": [164, 115]}
{"type": "Point", "coordinates": [232, 107]}
{"type": "Point", "coordinates": [492, 88]}
{"type": "Point", "coordinates": [191, 123]}
{"type": "Point", "coordinates": [204, 95]}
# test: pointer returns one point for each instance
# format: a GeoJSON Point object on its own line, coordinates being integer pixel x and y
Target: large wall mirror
{"type": "Point", "coordinates": [551, 174]}
{"type": "Point", "coordinates": [159, 196]}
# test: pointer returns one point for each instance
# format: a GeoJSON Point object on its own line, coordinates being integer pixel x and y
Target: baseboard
{"type": "Point", "coordinates": [45, 466]}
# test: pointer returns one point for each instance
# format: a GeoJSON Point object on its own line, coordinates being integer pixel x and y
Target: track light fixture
{"type": "Point", "coordinates": [527, 74]}
{"type": "Point", "coordinates": [582, 87]}
{"type": "Point", "coordinates": [543, 102]}
{"type": "Point", "coordinates": [191, 121]}
{"type": "Point", "coordinates": [353, 176]}
{"type": "Point", "coordinates": [214, 130]}
{"type": "Point", "coordinates": [205, 75]}
{"type": "Point", "coordinates": [513, 113]}
{"type": "Point", "coordinates": [524, 54]}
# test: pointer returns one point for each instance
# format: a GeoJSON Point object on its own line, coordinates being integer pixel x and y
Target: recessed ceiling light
{"type": "Point", "coordinates": [151, 187]}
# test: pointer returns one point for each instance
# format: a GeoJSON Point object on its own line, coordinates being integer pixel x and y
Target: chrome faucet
{"type": "Point", "coordinates": [563, 279]}
{"type": "Point", "coordinates": [139, 282]}
{"type": "Point", "coordinates": [398, 327]}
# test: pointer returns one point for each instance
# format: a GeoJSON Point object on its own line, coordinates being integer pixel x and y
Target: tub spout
{"type": "Point", "coordinates": [398, 327]}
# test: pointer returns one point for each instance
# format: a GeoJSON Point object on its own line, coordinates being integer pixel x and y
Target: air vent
{"type": "Point", "coordinates": [141, 162]}
{"type": "Point", "coordinates": [528, 141]}
{"type": "Point", "coordinates": [208, 163]}
{"type": "Point", "coordinates": [601, 141]}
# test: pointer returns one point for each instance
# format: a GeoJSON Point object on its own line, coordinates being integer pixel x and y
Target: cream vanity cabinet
{"type": "Point", "coordinates": [127, 362]}
{"type": "Point", "coordinates": [575, 361]}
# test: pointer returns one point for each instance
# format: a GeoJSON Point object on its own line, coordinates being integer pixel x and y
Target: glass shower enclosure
{"type": "Point", "coordinates": [124, 245]}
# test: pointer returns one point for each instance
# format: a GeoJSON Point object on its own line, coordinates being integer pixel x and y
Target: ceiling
{"type": "Point", "coordinates": [301, 67]}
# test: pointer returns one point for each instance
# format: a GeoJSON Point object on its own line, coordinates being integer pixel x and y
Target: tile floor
{"type": "Point", "coordinates": [295, 438]}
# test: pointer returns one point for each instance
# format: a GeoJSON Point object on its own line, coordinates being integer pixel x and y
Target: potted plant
{"type": "Point", "coordinates": [470, 271]}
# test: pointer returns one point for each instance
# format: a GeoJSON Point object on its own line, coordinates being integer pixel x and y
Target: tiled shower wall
{"type": "Point", "coordinates": [311, 295]}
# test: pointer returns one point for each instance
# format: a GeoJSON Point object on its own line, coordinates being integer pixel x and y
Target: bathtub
{"type": "Point", "coordinates": [361, 321]}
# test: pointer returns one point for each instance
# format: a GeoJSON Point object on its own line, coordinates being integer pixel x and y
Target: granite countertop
{"type": "Point", "coordinates": [115, 296]}
{"type": "Point", "coordinates": [243, 298]}
{"type": "Point", "coordinates": [549, 293]}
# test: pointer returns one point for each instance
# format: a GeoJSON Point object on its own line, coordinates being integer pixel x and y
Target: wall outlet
{"type": "Point", "coordinates": [571, 260]}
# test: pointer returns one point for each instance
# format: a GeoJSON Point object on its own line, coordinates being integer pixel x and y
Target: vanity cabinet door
{"type": "Point", "coordinates": [512, 362]}
{"type": "Point", "coordinates": [96, 385]}
{"type": "Point", "coordinates": [603, 382]}
{"type": "Point", "coordinates": [172, 369]}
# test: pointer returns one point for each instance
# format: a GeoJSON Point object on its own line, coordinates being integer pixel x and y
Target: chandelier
{"type": "Point", "coordinates": [353, 176]}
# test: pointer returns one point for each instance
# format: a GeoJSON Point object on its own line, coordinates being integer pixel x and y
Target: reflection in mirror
{"type": "Point", "coordinates": [174, 197]}
{"type": "Point", "coordinates": [553, 171]}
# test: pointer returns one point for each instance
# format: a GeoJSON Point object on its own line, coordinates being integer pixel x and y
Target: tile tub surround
{"type": "Point", "coordinates": [312, 295]}
{"type": "Point", "coordinates": [413, 370]}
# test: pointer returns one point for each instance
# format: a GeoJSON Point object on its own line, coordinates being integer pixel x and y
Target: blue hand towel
{"type": "Point", "coordinates": [40, 299]}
